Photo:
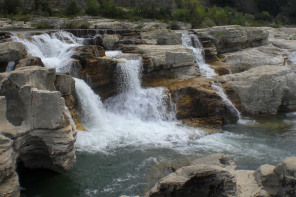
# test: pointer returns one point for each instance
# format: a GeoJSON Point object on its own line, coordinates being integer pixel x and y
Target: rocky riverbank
{"type": "Point", "coordinates": [216, 175]}
{"type": "Point", "coordinates": [39, 106]}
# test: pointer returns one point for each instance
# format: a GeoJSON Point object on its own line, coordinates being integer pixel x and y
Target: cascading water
{"type": "Point", "coordinates": [134, 132]}
{"type": "Point", "coordinates": [192, 42]}
{"type": "Point", "coordinates": [54, 49]}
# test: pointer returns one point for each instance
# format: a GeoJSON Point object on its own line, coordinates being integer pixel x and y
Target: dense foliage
{"type": "Point", "coordinates": [213, 12]}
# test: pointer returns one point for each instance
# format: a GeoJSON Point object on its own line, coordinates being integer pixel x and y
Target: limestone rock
{"type": "Point", "coordinates": [162, 57]}
{"type": "Point", "coordinates": [198, 180]}
{"type": "Point", "coordinates": [66, 85]}
{"type": "Point", "coordinates": [266, 177]}
{"type": "Point", "coordinates": [216, 160]}
{"type": "Point", "coordinates": [11, 51]}
{"type": "Point", "coordinates": [249, 58]}
{"type": "Point", "coordinates": [35, 123]}
{"type": "Point", "coordinates": [109, 41]}
{"type": "Point", "coordinates": [197, 103]}
{"type": "Point", "coordinates": [30, 61]}
{"type": "Point", "coordinates": [265, 89]}
{"type": "Point", "coordinates": [234, 38]}
{"type": "Point", "coordinates": [162, 37]}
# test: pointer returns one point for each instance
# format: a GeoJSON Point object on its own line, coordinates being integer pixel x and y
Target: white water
{"type": "Point", "coordinates": [10, 66]}
{"type": "Point", "coordinates": [192, 42]}
{"type": "Point", "coordinates": [54, 49]}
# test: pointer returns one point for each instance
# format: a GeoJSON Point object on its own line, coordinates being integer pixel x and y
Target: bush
{"type": "Point", "coordinates": [174, 26]}
{"type": "Point", "coordinates": [11, 6]}
{"type": "Point", "coordinates": [72, 9]}
{"type": "Point", "coordinates": [93, 8]}
{"type": "Point", "coordinates": [43, 25]}
{"type": "Point", "coordinates": [264, 16]}
{"type": "Point", "coordinates": [42, 6]}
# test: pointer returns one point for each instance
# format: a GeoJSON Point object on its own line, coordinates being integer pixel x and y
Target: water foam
{"type": "Point", "coordinates": [54, 49]}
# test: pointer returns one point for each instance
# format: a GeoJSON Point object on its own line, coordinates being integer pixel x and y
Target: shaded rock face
{"type": "Point", "coordinates": [265, 89]}
{"type": "Point", "coordinates": [35, 123]}
{"type": "Point", "coordinates": [162, 37]}
{"type": "Point", "coordinates": [11, 51]}
{"type": "Point", "coordinates": [234, 38]}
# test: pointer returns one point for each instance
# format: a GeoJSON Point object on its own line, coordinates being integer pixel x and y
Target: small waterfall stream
{"type": "Point", "coordinates": [134, 134]}
{"type": "Point", "coordinates": [191, 41]}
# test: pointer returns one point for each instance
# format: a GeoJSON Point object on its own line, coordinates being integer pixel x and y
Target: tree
{"type": "Point", "coordinates": [93, 7]}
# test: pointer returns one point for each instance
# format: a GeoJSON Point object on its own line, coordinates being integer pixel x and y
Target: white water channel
{"type": "Point", "coordinates": [141, 120]}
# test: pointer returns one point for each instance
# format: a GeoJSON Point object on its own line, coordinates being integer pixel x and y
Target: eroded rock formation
{"type": "Point", "coordinates": [216, 176]}
{"type": "Point", "coordinates": [35, 125]}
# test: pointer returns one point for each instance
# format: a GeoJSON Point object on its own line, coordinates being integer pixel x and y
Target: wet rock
{"type": "Point", "coordinates": [264, 89]}
{"type": "Point", "coordinates": [11, 51]}
{"type": "Point", "coordinates": [197, 103]}
{"type": "Point", "coordinates": [30, 61]}
{"type": "Point", "coordinates": [96, 69]}
{"type": "Point", "coordinates": [234, 37]}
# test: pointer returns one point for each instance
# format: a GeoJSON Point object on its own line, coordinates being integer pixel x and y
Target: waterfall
{"type": "Point", "coordinates": [192, 42]}
{"type": "Point", "coordinates": [55, 49]}
{"type": "Point", "coordinates": [10, 66]}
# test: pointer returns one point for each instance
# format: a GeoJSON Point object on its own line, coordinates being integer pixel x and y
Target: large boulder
{"type": "Point", "coordinates": [264, 89]}
{"type": "Point", "coordinates": [29, 61]}
{"type": "Point", "coordinates": [11, 52]}
{"type": "Point", "coordinates": [35, 122]}
{"type": "Point", "coordinates": [279, 180]}
{"type": "Point", "coordinates": [249, 58]}
{"type": "Point", "coordinates": [234, 38]}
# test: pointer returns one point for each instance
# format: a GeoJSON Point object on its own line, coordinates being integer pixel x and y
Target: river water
{"type": "Point", "coordinates": [133, 138]}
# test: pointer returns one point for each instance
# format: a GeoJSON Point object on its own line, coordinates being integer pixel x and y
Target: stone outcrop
{"type": "Point", "coordinates": [249, 58]}
{"type": "Point", "coordinates": [162, 37]}
{"type": "Point", "coordinates": [234, 38]}
{"type": "Point", "coordinates": [29, 61]}
{"type": "Point", "coordinates": [35, 126]}
{"type": "Point", "coordinates": [161, 57]}
{"type": "Point", "coordinates": [11, 51]}
{"type": "Point", "coordinates": [197, 103]}
{"type": "Point", "coordinates": [96, 69]}
{"type": "Point", "coordinates": [216, 176]}
{"type": "Point", "coordinates": [264, 89]}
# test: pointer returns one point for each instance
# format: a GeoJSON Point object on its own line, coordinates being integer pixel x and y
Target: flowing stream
{"type": "Point", "coordinates": [133, 138]}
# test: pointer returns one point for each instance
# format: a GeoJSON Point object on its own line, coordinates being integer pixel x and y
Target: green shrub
{"type": "Point", "coordinates": [11, 6]}
{"type": "Point", "coordinates": [85, 26]}
{"type": "Point", "coordinates": [174, 26]}
{"type": "Point", "coordinates": [72, 9]}
{"type": "Point", "coordinates": [264, 16]}
{"type": "Point", "coordinates": [43, 25]}
{"type": "Point", "coordinates": [93, 8]}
